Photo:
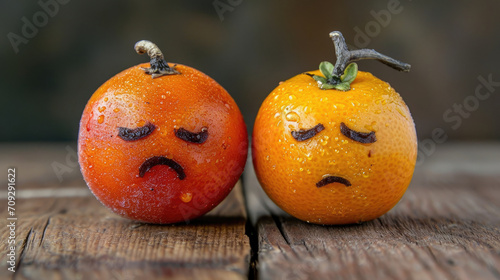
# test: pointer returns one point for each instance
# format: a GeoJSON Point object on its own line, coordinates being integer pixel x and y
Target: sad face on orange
{"type": "Point", "coordinates": [161, 147]}
{"type": "Point", "coordinates": [331, 156]}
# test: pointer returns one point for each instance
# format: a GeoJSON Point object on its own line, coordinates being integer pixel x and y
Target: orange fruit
{"type": "Point", "coordinates": [161, 150]}
{"type": "Point", "coordinates": [332, 156]}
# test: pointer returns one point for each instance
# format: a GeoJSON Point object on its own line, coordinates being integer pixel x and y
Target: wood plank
{"type": "Point", "coordinates": [72, 236]}
{"type": "Point", "coordinates": [446, 227]}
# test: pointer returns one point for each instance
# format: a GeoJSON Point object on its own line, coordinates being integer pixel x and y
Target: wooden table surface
{"type": "Point", "coordinates": [447, 226]}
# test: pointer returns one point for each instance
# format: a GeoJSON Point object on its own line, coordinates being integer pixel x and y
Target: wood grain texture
{"type": "Point", "coordinates": [63, 232]}
{"type": "Point", "coordinates": [447, 226]}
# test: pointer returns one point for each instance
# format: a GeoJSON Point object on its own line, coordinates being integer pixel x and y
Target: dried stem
{"type": "Point", "coordinates": [159, 66]}
{"type": "Point", "coordinates": [345, 56]}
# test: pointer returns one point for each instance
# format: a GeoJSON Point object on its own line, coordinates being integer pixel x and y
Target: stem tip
{"type": "Point", "coordinates": [159, 66]}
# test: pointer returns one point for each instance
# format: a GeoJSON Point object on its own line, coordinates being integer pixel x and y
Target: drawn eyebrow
{"type": "Point", "coordinates": [132, 134]}
{"type": "Point", "coordinates": [192, 137]}
{"type": "Point", "coordinates": [303, 135]}
{"type": "Point", "coordinates": [360, 137]}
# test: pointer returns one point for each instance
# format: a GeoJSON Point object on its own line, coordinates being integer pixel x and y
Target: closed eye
{"type": "Point", "coordinates": [192, 137]}
{"type": "Point", "coordinates": [132, 134]}
{"type": "Point", "coordinates": [361, 137]}
{"type": "Point", "coordinates": [303, 135]}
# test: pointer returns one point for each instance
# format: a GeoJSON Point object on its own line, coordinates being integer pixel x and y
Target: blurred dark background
{"type": "Point", "coordinates": [55, 54]}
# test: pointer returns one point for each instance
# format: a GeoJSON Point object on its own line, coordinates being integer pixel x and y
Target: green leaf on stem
{"type": "Point", "coordinates": [342, 83]}
{"type": "Point", "coordinates": [343, 86]}
{"type": "Point", "coordinates": [328, 86]}
{"type": "Point", "coordinates": [350, 73]}
{"type": "Point", "coordinates": [326, 69]}
{"type": "Point", "coordinates": [320, 80]}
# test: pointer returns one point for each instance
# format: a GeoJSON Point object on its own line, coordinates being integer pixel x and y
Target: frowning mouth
{"type": "Point", "coordinates": [332, 179]}
{"type": "Point", "coordinates": [160, 160]}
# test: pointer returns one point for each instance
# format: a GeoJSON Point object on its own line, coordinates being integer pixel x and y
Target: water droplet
{"type": "Point", "coordinates": [301, 169]}
{"type": "Point", "coordinates": [163, 96]}
{"type": "Point", "coordinates": [186, 197]}
{"type": "Point", "coordinates": [273, 167]}
{"type": "Point", "coordinates": [105, 99]}
{"type": "Point", "coordinates": [292, 117]}
{"type": "Point", "coordinates": [277, 115]}
{"type": "Point", "coordinates": [372, 126]}
{"type": "Point", "coordinates": [400, 112]}
{"type": "Point", "coordinates": [267, 157]}
{"type": "Point", "coordinates": [101, 109]}
{"type": "Point", "coordinates": [338, 106]}
{"type": "Point", "coordinates": [291, 181]}
{"type": "Point", "coordinates": [100, 119]}
{"type": "Point", "coordinates": [365, 175]}
{"type": "Point", "coordinates": [141, 123]}
{"type": "Point", "coordinates": [308, 172]}
{"type": "Point", "coordinates": [276, 97]}
{"type": "Point", "coordinates": [291, 96]}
